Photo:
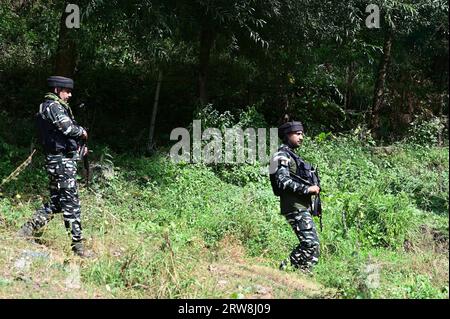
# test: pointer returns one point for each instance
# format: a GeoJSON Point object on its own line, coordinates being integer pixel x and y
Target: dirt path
{"type": "Point", "coordinates": [235, 276]}
{"type": "Point", "coordinates": [30, 270]}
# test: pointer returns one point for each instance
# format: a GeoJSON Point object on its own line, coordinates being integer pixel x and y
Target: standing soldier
{"type": "Point", "coordinates": [290, 178]}
{"type": "Point", "coordinates": [60, 136]}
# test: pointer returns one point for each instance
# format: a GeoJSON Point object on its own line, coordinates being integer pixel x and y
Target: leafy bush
{"type": "Point", "coordinates": [235, 173]}
{"type": "Point", "coordinates": [371, 205]}
{"type": "Point", "coordinates": [426, 131]}
{"type": "Point", "coordinates": [251, 117]}
{"type": "Point", "coordinates": [381, 220]}
{"type": "Point", "coordinates": [212, 118]}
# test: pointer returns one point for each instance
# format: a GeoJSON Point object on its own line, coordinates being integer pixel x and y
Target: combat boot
{"type": "Point", "coordinates": [33, 227]}
{"type": "Point", "coordinates": [27, 231]}
{"type": "Point", "coordinates": [284, 265]}
{"type": "Point", "coordinates": [78, 249]}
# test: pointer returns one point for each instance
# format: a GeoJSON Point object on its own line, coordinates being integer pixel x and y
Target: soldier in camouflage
{"type": "Point", "coordinates": [60, 136]}
{"type": "Point", "coordinates": [295, 196]}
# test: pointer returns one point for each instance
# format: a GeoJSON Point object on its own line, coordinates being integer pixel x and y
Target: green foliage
{"type": "Point", "coordinates": [251, 117]}
{"type": "Point", "coordinates": [311, 59]}
{"type": "Point", "coordinates": [426, 132]}
{"type": "Point", "coordinates": [241, 174]}
{"type": "Point", "coordinates": [27, 32]}
{"type": "Point", "coordinates": [153, 208]}
{"type": "Point", "coordinates": [290, 55]}
{"type": "Point", "coordinates": [212, 118]}
{"type": "Point", "coordinates": [235, 173]}
{"type": "Point", "coordinates": [380, 220]}
{"type": "Point", "coordinates": [322, 94]}
{"type": "Point", "coordinates": [350, 279]}
{"type": "Point", "coordinates": [419, 287]}
{"type": "Point", "coordinates": [360, 214]}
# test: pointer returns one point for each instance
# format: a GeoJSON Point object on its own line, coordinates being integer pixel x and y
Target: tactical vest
{"type": "Point", "coordinates": [303, 170]}
{"type": "Point", "coordinates": [52, 139]}
{"type": "Point", "coordinates": [304, 173]}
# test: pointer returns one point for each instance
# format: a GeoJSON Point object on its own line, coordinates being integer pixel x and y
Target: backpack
{"type": "Point", "coordinates": [275, 189]}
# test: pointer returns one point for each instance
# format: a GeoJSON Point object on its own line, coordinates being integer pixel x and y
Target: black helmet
{"type": "Point", "coordinates": [289, 127]}
{"type": "Point", "coordinates": [60, 82]}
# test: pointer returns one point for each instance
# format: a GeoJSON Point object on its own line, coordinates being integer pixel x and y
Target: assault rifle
{"type": "Point", "coordinates": [316, 201]}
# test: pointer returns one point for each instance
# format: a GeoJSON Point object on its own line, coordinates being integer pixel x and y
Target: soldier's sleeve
{"type": "Point", "coordinates": [63, 122]}
{"type": "Point", "coordinates": [283, 177]}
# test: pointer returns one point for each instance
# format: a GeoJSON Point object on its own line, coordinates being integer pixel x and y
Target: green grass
{"type": "Point", "coordinates": [157, 227]}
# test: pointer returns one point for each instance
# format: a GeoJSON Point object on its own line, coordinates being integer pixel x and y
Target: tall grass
{"type": "Point", "coordinates": [156, 223]}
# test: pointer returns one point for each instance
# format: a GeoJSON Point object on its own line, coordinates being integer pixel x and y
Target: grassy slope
{"type": "Point", "coordinates": [167, 231]}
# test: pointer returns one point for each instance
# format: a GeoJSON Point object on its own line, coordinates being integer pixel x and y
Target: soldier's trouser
{"type": "Point", "coordinates": [306, 254]}
{"type": "Point", "coordinates": [63, 196]}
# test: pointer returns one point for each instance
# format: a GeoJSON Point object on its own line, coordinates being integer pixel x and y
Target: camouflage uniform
{"type": "Point", "coordinates": [295, 204]}
{"type": "Point", "coordinates": [61, 167]}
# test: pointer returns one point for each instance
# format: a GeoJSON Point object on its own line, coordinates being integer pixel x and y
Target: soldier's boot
{"type": "Point", "coordinates": [32, 228]}
{"type": "Point", "coordinates": [26, 231]}
{"type": "Point", "coordinates": [79, 250]}
{"type": "Point", "coordinates": [284, 265]}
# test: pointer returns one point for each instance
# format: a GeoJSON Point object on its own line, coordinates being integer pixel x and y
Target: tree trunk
{"type": "Point", "coordinates": [206, 43]}
{"type": "Point", "coordinates": [150, 145]}
{"type": "Point", "coordinates": [349, 85]}
{"type": "Point", "coordinates": [441, 113]}
{"type": "Point", "coordinates": [66, 56]}
{"type": "Point", "coordinates": [378, 98]}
